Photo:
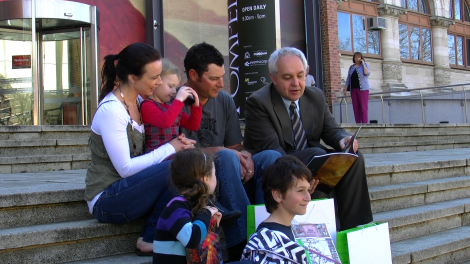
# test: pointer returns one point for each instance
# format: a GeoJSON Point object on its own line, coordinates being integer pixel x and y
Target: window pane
{"type": "Point", "coordinates": [403, 3]}
{"type": "Point", "coordinates": [451, 9]}
{"type": "Point", "coordinates": [427, 44]}
{"type": "Point", "coordinates": [413, 5]}
{"type": "Point", "coordinates": [451, 43]}
{"type": "Point", "coordinates": [459, 50]}
{"type": "Point", "coordinates": [457, 9]}
{"type": "Point", "coordinates": [468, 52]}
{"type": "Point", "coordinates": [467, 12]}
{"type": "Point", "coordinates": [404, 46]}
{"type": "Point", "coordinates": [422, 7]}
{"type": "Point", "coordinates": [344, 31]}
{"type": "Point", "coordinates": [374, 41]}
{"type": "Point", "coordinates": [359, 33]}
{"type": "Point", "coordinates": [415, 43]}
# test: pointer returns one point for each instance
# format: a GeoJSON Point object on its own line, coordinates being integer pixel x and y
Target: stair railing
{"type": "Point", "coordinates": [407, 97]}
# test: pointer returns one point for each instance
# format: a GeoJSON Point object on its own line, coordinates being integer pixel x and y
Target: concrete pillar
{"type": "Point", "coordinates": [441, 50]}
{"type": "Point", "coordinates": [391, 66]}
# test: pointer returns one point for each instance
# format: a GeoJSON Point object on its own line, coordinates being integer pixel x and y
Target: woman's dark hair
{"type": "Point", "coordinates": [358, 53]}
{"type": "Point", "coordinates": [188, 169]}
{"type": "Point", "coordinates": [131, 60]}
{"type": "Point", "coordinates": [200, 56]}
{"type": "Point", "coordinates": [281, 176]}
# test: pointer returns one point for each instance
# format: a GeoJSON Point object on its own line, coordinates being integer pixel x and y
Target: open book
{"type": "Point", "coordinates": [331, 167]}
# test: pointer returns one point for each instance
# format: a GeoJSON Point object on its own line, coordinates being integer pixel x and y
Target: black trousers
{"type": "Point", "coordinates": [352, 194]}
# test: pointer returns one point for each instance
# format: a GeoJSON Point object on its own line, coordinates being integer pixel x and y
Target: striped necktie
{"type": "Point", "coordinates": [300, 140]}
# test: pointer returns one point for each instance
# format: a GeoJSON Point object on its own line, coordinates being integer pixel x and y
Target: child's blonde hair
{"type": "Point", "coordinates": [169, 68]}
{"type": "Point", "coordinates": [188, 169]}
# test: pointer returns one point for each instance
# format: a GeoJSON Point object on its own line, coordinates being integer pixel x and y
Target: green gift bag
{"type": "Point", "coordinates": [365, 244]}
{"type": "Point", "coordinates": [318, 211]}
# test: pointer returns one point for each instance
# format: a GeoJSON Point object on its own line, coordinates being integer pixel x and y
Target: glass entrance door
{"type": "Point", "coordinates": [65, 77]}
{"type": "Point", "coordinates": [48, 62]}
{"type": "Point", "coordinates": [16, 87]}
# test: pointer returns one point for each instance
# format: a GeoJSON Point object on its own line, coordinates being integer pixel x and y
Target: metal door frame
{"type": "Point", "coordinates": [86, 15]}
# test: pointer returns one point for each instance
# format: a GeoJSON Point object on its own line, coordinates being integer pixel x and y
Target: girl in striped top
{"type": "Point", "coordinates": [188, 222]}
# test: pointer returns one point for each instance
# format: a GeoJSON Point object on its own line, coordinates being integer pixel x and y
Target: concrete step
{"type": "Point", "coordinates": [44, 132]}
{"type": "Point", "coordinates": [124, 258]}
{"type": "Point", "coordinates": [38, 163]}
{"type": "Point", "coordinates": [41, 198]}
{"type": "Point", "coordinates": [67, 241]}
{"type": "Point", "coordinates": [446, 247]}
{"type": "Point", "coordinates": [13, 148]}
{"type": "Point", "coordinates": [397, 196]}
{"type": "Point", "coordinates": [408, 146]}
{"type": "Point", "coordinates": [425, 219]}
{"type": "Point", "coordinates": [394, 168]}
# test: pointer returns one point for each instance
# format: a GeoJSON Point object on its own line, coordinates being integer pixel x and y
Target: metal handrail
{"type": "Point", "coordinates": [423, 104]}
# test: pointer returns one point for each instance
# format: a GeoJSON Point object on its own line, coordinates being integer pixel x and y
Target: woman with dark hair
{"type": "Point", "coordinates": [122, 183]}
{"type": "Point", "coordinates": [358, 83]}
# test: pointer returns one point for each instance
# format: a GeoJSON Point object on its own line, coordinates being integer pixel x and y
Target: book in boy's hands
{"type": "Point", "coordinates": [317, 242]}
{"type": "Point", "coordinates": [331, 167]}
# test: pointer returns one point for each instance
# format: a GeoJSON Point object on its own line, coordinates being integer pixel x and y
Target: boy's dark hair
{"type": "Point", "coordinates": [200, 56]}
{"type": "Point", "coordinates": [282, 175]}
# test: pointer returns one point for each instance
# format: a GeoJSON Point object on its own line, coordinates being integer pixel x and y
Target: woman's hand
{"type": "Point", "coordinates": [345, 90]}
{"type": "Point", "coordinates": [182, 142]}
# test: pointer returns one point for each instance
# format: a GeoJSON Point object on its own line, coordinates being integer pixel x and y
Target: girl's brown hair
{"type": "Point", "coordinates": [188, 169]}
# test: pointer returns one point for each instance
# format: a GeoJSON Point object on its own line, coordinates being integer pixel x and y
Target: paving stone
{"type": "Point", "coordinates": [124, 258]}
{"type": "Point", "coordinates": [447, 195]}
{"type": "Point", "coordinates": [72, 250]}
{"type": "Point", "coordinates": [422, 213]}
{"type": "Point", "coordinates": [424, 228]}
{"type": "Point", "coordinates": [397, 203]}
{"type": "Point", "coordinates": [430, 246]}
{"type": "Point", "coordinates": [26, 236]}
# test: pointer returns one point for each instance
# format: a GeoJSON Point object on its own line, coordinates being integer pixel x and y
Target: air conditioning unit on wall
{"type": "Point", "coordinates": [375, 23]}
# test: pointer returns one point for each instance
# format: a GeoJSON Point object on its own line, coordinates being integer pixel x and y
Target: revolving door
{"type": "Point", "coordinates": [48, 62]}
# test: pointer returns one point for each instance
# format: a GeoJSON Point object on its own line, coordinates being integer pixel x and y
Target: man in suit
{"type": "Point", "coordinates": [290, 118]}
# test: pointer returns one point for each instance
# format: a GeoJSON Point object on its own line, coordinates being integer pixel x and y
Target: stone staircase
{"type": "Point", "coordinates": [423, 195]}
{"type": "Point", "coordinates": [389, 138]}
{"type": "Point", "coordinates": [43, 148]}
{"type": "Point", "coordinates": [425, 198]}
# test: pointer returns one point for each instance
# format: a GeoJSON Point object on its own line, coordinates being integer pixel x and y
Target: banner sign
{"type": "Point", "coordinates": [252, 38]}
{"type": "Point", "coordinates": [21, 61]}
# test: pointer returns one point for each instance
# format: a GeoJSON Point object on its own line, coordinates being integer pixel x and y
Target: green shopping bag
{"type": "Point", "coordinates": [318, 211]}
{"type": "Point", "coordinates": [365, 244]}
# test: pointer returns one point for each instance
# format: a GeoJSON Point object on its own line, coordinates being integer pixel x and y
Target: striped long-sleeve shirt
{"type": "Point", "coordinates": [176, 231]}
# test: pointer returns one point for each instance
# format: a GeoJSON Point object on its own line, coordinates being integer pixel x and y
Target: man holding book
{"type": "Point", "coordinates": [291, 118]}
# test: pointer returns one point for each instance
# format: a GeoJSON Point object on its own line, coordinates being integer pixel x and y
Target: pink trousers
{"type": "Point", "coordinates": [360, 99]}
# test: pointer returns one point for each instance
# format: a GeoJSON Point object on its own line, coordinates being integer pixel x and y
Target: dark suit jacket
{"type": "Point", "coordinates": [268, 124]}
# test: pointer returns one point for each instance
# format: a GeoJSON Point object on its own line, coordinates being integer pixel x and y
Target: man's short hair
{"type": "Point", "coordinates": [200, 56]}
{"type": "Point", "coordinates": [276, 55]}
{"type": "Point", "coordinates": [282, 175]}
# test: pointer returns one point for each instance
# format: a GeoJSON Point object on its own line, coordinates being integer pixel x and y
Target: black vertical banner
{"type": "Point", "coordinates": [252, 38]}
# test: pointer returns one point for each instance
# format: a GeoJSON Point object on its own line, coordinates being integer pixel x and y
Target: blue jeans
{"type": "Point", "coordinates": [145, 194]}
{"type": "Point", "coordinates": [232, 192]}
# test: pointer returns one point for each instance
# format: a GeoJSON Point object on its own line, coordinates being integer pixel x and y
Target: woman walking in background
{"type": "Point", "coordinates": [358, 83]}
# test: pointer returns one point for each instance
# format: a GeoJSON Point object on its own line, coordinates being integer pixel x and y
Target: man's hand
{"type": "Point", "coordinates": [249, 166]}
{"type": "Point", "coordinates": [313, 185]}
{"type": "Point", "coordinates": [345, 141]}
{"type": "Point", "coordinates": [246, 164]}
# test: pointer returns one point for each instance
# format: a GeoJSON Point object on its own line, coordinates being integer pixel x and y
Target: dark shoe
{"type": "Point", "coordinates": [227, 216]}
{"type": "Point", "coordinates": [140, 253]}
